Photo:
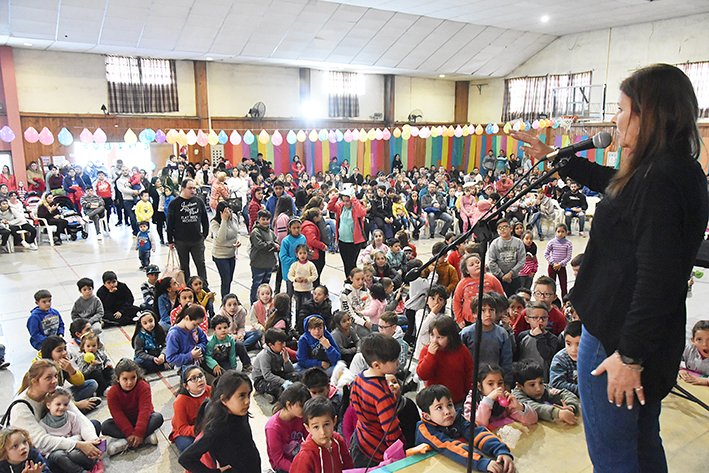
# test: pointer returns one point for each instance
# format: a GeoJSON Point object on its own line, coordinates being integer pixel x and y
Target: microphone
{"type": "Point", "coordinates": [602, 139]}
{"type": "Point", "coordinates": [413, 274]}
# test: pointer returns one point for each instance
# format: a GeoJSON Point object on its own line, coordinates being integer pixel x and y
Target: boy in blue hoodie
{"type": "Point", "coordinates": [316, 347]}
{"type": "Point", "coordinates": [287, 251]}
{"type": "Point", "coordinates": [44, 321]}
{"type": "Point", "coordinates": [447, 432]}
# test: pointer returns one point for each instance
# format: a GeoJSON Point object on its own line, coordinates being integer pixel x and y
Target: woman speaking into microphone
{"type": "Point", "coordinates": [631, 288]}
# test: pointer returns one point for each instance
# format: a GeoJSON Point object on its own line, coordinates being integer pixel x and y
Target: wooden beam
{"type": "Point", "coordinates": [304, 81]}
{"type": "Point", "coordinates": [201, 90]}
{"type": "Point", "coordinates": [462, 89]}
{"type": "Point", "coordinates": [389, 101]}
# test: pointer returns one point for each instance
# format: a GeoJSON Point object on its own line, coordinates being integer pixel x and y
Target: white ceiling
{"type": "Point", "coordinates": [458, 38]}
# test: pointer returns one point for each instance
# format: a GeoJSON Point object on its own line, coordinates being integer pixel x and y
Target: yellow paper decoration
{"type": "Point", "coordinates": [212, 138]}
{"type": "Point", "coordinates": [372, 134]}
{"type": "Point", "coordinates": [301, 136]}
{"type": "Point", "coordinates": [397, 133]}
{"type": "Point", "coordinates": [182, 138]}
{"type": "Point", "coordinates": [363, 137]}
{"type": "Point", "coordinates": [263, 137]}
{"type": "Point", "coordinates": [130, 137]}
{"type": "Point", "coordinates": [434, 131]}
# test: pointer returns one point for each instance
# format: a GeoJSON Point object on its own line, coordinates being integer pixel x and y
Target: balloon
{"type": "Point", "coordinates": [517, 126]}
{"type": "Point", "coordinates": [322, 136]}
{"type": "Point", "coordinates": [64, 137]}
{"type": "Point", "coordinates": [372, 134]}
{"type": "Point", "coordinates": [146, 136]}
{"type": "Point", "coordinates": [425, 132]}
{"type": "Point", "coordinates": [434, 131]}
{"type": "Point", "coordinates": [100, 136]}
{"type": "Point", "coordinates": [495, 128]}
{"type": "Point", "coordinates": [191, 138]}
{"type": "Point", "coordinates": [551, 122]}
{"type": "Point", "coordinates": [397, 132]}
{"type": "Point", "coordinates": [182, 138]}
{"type": "Point", "coordinates": [249, 137]}
{"type": "Point", "coordinates": [444, 131]}
{"type": "Point", "coordinates": [406, 135]}
{"type": "Point", "coordinates": [488, 128]}
{"type": "Point", "coordinates": [363, 135]}
{"type": "Point", "coordinates": [535, 124]}
{"type": "Point", "coordinates": [355, 135]}
{"type": "Point", "coordinates": [340, 136]}
{"type": "Point", "coordinates": [313, 136]}
{"type": "Point", "coordinates": [235, 138]}
{"type": "Point", "coordinates": [451, 131]}
{"type": "Point", "coordinates": [171, 136]}
{"type": "Point", "coordinates": [332, 137]}
{"type": "Point", "coordinates": [301, 136]}
{"type": "Point", "coordinates": [479, 130]}
{"type": "Point", "coordinates": [556, 124]}
{"type": "Point", "coordinates": [527, 125]}
{"type": "Point", "coordinates": [223, 138]}
{"type": "Point", "coordinates": [458, 131]}
{"type": "Point", "coordinates": [466, 130]}
{"type": "Point", "coordinates": [406, 129]}
{"type": "Point", "coordinates": [202, 138]}
{"type": "Point", "coordinates": [264, 137]}
{"type": "Point", "coordinates": [89, 357]}
{"type": "Point", "coordinates": [46, 137]}
{"type": "Point", "coordinates": [86, 136]}
{"type": "Point", "coordinates": [386, 134]}
{"type": "Point", "coordinates": [347, 136]}
{"type": "Point", "coordinates": [415, 131]}
{"type": "Point", "coordinates": [440, 130]}
{"type": "Point", "coordinates": [507, 128]}
{"type": "Point", "coordinates": [31, 135]}
{"type": "Point", "coordinates": [277, 138]}
{"type": "Point", "coordinates": [212, 138]}
{"type": "Point", "coordinates": [7, 135]}
{"type": "Point", "coordinates": [160, 136]}
{"type": "Point", "coordinates": [291, 137]}
{"type": "Point", "coordinates": [379, 134]}
{"type": "Point", "coordinates": [130, 138]}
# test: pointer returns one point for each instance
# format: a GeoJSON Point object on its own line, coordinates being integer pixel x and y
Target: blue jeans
{"type": "Point", "coordinates": [144, 257]}
{"type": "Point", "coordinates": [570, 214]}
{"type": "Point", "coordinates": [128, 209]}
{"type": "Point", "coordinates": [258, 276]}
{"type": "Point", "coordinates": [182, 442]}
{"type": "Point", "coordinates": [85, 390]}
{"type": "Point", "coordinates": [537, 221]}
{"type": "Point", "coordinates": [618, 439]}
{"type": "Point", "coordinates": [333, 235]}
{"type": "Point", "coordinates": [251, 339]}
{"type": "Point", "coordinates": [225, 266]}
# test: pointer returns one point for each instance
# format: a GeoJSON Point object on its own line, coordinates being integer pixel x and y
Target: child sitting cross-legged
{"type": "Point", "coordinates": [221, 349]}
{"type": "Point", "coordinates": [149, 343]}
{"type": "Point", "coordinates": [324, 449]}
{"type": "Point", "coordinates": [447, 432]}
{"type": "Point", "coordinates": [94, 363]}
{"type": "Point", "coordinates": [435, 309]}
{"type": "Point", "coordinates": [236, 314]}
{"type": "Point", "coordinates": [285, 431]}
{"type": "Point", "coordinates": [316, 347]}
{"type": "Point", "coordinates": [563, 373]}
{"type": "Point", "coordinates": [491, 397]}
{"type": "Point", "coordinates": [550, 403]}
{"type": "Point", "coordinates": [696, 355]}
{"type": "Point", "coordinates": [346, 338]}
{"type": "Point", "coordinates": [320, 304]}
{"type": "Point", "coordinates": [88, 306]}
{"type": "Point", "coordinates": [192, 393]}
{"type": "Point", "coordinates": [273, 370]}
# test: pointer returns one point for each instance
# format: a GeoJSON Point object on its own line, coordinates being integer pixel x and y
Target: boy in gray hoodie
{"type": "Point", "coordinates": [273, 370]}
{"type": "Point", "coordinates": [263, 252]}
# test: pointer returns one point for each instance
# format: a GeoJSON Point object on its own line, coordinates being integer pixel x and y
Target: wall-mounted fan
{"type": "Point", "coordinates": [415, 115]}
{"type": "Point", "coordinates": [257, 111]}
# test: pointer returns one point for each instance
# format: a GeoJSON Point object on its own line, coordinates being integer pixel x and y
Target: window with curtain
{"type": "Point", "coordinates": [529, 97]}
{"type": "Point", "coordinates": [141, 85]}
{"type": "Point", "coordinates": [698, 73]}
{"type": "Point", "coordinates": [343, 90]}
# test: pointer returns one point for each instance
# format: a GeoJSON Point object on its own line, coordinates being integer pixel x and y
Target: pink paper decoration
{"type": "Point", "coordinates": [100, 136]}
{"type": "Point", "coordinates": [31, 135]}
{"type": "Point", "coordinates": [202, 138]}
{"type": "Point", "coordinates": [86, 136]}
{"type": "Point", "coordinates": [46, 137]}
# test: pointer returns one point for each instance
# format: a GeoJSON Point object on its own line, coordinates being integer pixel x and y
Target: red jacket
{"type": "Point", "coordinates": [185, 410]}
{"type": "Point", "coordinates": [358, 214]}
{"type": "Point", "coordinates": [311, 232]}
{"type": "Point", "coordinates": [315, 459]}
{"type": "Point", "coordinates": [452, 369]}
{"type": "Point", "coordinates": [131, 410]}
{"type": "Point", "coordinates": [254, 207]}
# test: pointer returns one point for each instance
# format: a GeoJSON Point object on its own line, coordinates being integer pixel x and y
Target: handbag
{"type": "Point", "coordinates": [5, 422]}
{"type": "Point", "coordinates": [172, 268]}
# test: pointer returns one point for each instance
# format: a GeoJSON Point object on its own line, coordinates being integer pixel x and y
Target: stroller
{"type": "Point", "coordinates": [76, 223]}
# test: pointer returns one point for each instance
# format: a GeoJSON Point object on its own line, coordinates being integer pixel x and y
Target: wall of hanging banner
{"type": "Point", "coordinates": [462, 146]}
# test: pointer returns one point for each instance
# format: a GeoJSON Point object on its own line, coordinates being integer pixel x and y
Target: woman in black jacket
{"type": "Point", "coordinates": [631, 288]}
{"type": "Point", "coordinates": [415, 210]}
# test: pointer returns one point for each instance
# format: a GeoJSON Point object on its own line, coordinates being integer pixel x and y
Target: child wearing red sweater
{"type": "Point", "coordinates": [131, 405]}
{"type": "Point", "coordinates": [192, 393]}
{"type": "Point", "coordinates": [446, 360]}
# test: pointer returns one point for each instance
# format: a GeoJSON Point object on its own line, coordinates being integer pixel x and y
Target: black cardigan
{"type": "Point", "coordinates": [631, 288]}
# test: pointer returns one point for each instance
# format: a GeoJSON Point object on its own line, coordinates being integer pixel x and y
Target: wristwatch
{"type": "Point", "coordinates": [630, 361]}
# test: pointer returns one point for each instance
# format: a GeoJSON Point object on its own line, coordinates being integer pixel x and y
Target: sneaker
{"type": "Point", "coordinates": [248, 369]}
{"type": "Point", "coordinates": [118, 224]}
{"type": "Point", "coordinates": [99, 236]}
{"type": "Point", "coordinates": [98, 467]}
{"type": "Point", "coordinates": [4, 364]}
{"type": "Point", "coordinates": [25, 244]}
{"type": "Point", "coordinates": [116, 446]}
{"type": "Point", "coordinates": [33, 246]}
{"type": "Point", "coordinates": [583, 235]}
{"type": "Point", "coordinates": [151, 439]}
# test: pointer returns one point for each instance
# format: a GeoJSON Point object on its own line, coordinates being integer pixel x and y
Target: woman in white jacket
{"type": "Point", "coordinates": [11, 222]}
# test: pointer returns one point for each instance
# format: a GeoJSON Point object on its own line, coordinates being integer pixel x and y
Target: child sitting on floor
{"type": "Point", "coordinates": [273, 370]}
{"type": "Point", "coordinates": [531, 390]}
{"type": "Point", "coordinates": [696, 355]}
{"type": "Point", "coordinates": [88, 306]}
{"type": "Point", "coordinates": [285, 431]}
{"type": "Point", "coordinates": [149, 343]}
{"type": "Point", "coordinates": [346, 338]}
{"type": "Point", "coordinates": [447, 432]}
{"type": "Point", "coordinates": [563, 373]}
{"type": "Point", "coordinates": [202, 297]}
{"type": "Point", "coordinates": [537, 344]}
{"type": "Point", "coordinates": [94, 363]}
{"type": "Point", "coordinates": [236, 315]}
{"type": "Point", "coordinates": [18, 454]}
{"type": "Point", "coordinates": [221, 349]}
{"type": "Point", "coordinates": [316, 347]}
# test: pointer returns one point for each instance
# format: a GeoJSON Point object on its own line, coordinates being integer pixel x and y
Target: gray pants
{"type": "Point", "coordinates": [95, 215]}
{"type": "Point", "coordinates": [196, 250]}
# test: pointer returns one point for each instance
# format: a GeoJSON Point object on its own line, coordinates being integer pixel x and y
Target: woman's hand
{"type": "Point", "coordinates": [90, 449]}
{"type": "Point", "coordinates": [66, 365]}
{"type": "Point", "coordinates": [226, 214]}
{"type": "Point", "coordinates": [535, 147]}
{"type": "Point", "coordinates": [623, 381]}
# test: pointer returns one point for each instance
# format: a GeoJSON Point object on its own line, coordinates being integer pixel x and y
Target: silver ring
{"type": "Point", "coordinates": [639, 389]}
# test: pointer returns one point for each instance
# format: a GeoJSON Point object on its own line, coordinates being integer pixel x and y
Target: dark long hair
{"type": "Point", "coordinates": [158, 332]}
{"type": "Point", "coordinates": [228, 383]}
{"type": "Point", "coordinates": [218, 214]}
{"type": "Point", "coordinates": [284, 204]}
{"type": "Point", "coordinates": [161, 288]}
{"type": "Point", "coordinates": [663, 98]}
{"type": "Point", "coordinates": [313, 203]}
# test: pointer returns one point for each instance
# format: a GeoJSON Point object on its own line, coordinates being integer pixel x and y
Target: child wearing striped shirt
{"type": "Point", "coordinates": [558, 253]}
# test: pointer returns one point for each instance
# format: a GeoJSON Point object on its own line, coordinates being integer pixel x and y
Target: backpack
{"type": "Point", "coordinates": [5, 422]}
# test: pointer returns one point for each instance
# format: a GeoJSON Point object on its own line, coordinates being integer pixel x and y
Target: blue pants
{"type": "Point", "coordinates": [537, 221]}
{"type": "Point", "coordinates": [182, 442]}
{"type": "Point", "coordinates": [144, 257]}
{"type": "Point", "coordinates": [447, 222]}
{"type": "Point", "coordinates": [251, 339]}
{"type": "Point", "coordinates": [570, 214]}
{"type": "Point", "coordinates": [225, 266]}
{"type": "Point", "coordinates": [618, 439]}
{"type": "Point", "coordinates": [85, 390]}
{"type": "Point", "coordinates": [331, 228]}
{"type": "Point", "coordinates": [128, 209]}
{"type": "Point", "coordinates": [258, 276]}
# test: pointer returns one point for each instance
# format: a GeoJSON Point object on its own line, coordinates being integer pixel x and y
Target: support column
{"type": "Point", "coordinates": [462, 89]}
{"type": "Point", "coordinates": [8, 95]}
{"type": "Point", "coordinates": [201, 90]}
{"type": "Point", "coordinates": [304, 81]}
{"type": "Point", "coordinates": [389, 102]}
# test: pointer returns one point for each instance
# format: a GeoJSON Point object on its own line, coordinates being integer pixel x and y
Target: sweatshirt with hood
{"type": "Point", "coordinates": [263, 247]}
{"type": "Point", "coordinates": [313, 458]}
{"type": "Point", "coordinates": [311, 352]}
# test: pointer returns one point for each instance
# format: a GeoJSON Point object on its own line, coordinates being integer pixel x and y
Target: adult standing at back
{"type": "Point", "coordinates": [225, 241]}
{"type": "Point", "coordinates": [187, 227]}
{"type": "Point", "coordinates": [631, 289]}
{"type": "Point", "coordinates": [349, 216]}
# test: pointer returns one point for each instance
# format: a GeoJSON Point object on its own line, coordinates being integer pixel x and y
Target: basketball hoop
{"type": "Point", "coordinates": [566, 121]}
